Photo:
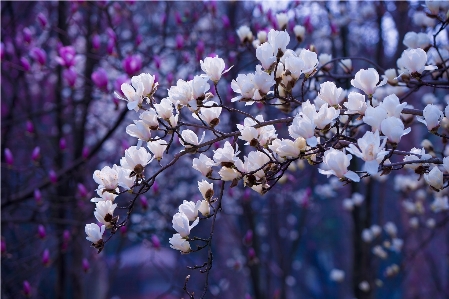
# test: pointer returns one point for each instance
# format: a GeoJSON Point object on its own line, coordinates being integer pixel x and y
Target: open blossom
{"type": "Point", "coordinates": [180, 94]}
{"type": "Point", "coordinates": [303, 127]}
{"type": "Point", "coordinates": [432, 116]}
{"type": "Point", "coordinates": [289, 148]}
{"type": "Point", "coordinates": [139, 130]}
{"type": "Point", "coordinates": [133, 94]}
{"type": "Point", "coordinates": [243, 84]}
{"type": "Point", "coordinates": [204, 207]}
{"type": "Point", "coordinates": [148, 82]}
{"type": "Point", "coordinates": [338, 162]}
{"type": "Point", "coordinates": [323, 59]}
{"type": "Point", "coordinates": [310, 60]}
{"type": "Point", "coordinates": [416, 40]}
{"type": "Point", "coordinates": [189, 138]}
{"type": "Point", "coordinates": [393, 128]}
{"type": "Point", "coordinates": [371, 150]}
{"type": "Point", "coordinates": [125, 178]}
{"type": "Point", "coordinates": [416, 154]}
{"type": "Point", "coordinates": [107, 178]}
{"type": "Point", "coordinates": [179, 243]}
{"type": "Point", "coordinates": [94, 232]}
{"type": "Point", "coordinates": [255, 161]}
{"type": "Point", "coordinates": [262, 83]}
{"type": "Point", "coordinates": [209, 114]}
{"type": "Point", "coordinates": [103, 196]}
{"type": "Point", "coordinates": [203, 164]}
{"type": "Point", "coordinates": [164, 109]}
{"type": "Point", "coordinates": [374, 117]}
{"type": "Point", "coordinates": [278, 40]}
{"type": "Point", "coordinates": [392, 105]}
{"type": "Point", "coordinates": [206, 189]}
{"type": "Point", "coordinates": [190, 209]}
{"type": "Point", "coordinates": [300, 32]}
{"type": "Point", "coordinates": [331, 94]}
{"type": "Point", "coordinates": [346, 65]}
{"type": "Point", "coordinates": [200, 86]}
{"type": "Point", "coordinates": [391, 76]}
{"type": "Point", "coordinates": [136, 159]}
{"type": "Point", "coordinates": [157, 147]}
{"type": "Point", "coordinates": [434, 178]}
{"type": "Point", "coordinates": [414, 61]}
{"type": "Point", "coordinates": [325, 116]}
{"type": "Point", "coordinates": [262, 135]}
{"type": "Point", "coordinates": [213, 67]}
{"type": "Point", "coordinates": [245, 34]}
{"type": "Point", "coordinates": [181, 224]}
{"type": "Point", "coordinates": [226, 156]}
{"type": "Point", "coordinates": [104, 212]}
{"type": "Point", "coordinates": [149, 117]}
{"type": "Point", "coordinates": [265, 55]}
{"type": "Point", "coordinates": [367, 80]}
{"type": "Point", "coordinates": [356, 103]}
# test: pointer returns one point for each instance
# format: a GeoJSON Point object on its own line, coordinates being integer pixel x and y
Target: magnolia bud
{"type": "Point", "coordinates": [26, 288]}
{"type": "Point", "coordinates": [85, 265]}
{"type": "Point", "coordinates": [46, 257]}
{"type": "Point", "coordinates": [41, 231]}
{"type": "Point", "coordinates": [9, 158]}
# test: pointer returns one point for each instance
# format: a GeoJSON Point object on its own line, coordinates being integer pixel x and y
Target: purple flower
{"type": "Point", "coordinates": [62, 144]}
{"type": "Point", "coordinates": [85, 152]}
{"type": "Point", "coordinates": [111, 34]}
{"type": "Point", "coordinates": [42, 19]}
{"type": "Point", "coordinates": [157, 61]}
{"type": "Point", "coordinates": [38, 196]}
{"type": "Point", "coordinates": [27, 34]}
{"type": "Point", "coordinates": [155, 242]}
{"type": "Point", "coordinates": [46, 257]}
{"type": "Point", "coordinates": [29, 127]}
{"type": "Point", "coordinates": [110, 47]}
{"type": "Point", "coordinates": [226, 22]}
{"type": "Point", "coordinates": [36, 154]}
{"type": "Point", "coordinates": [143, 202]}
{"type": "Point", "coordinates": [52, 176]}
{"type": "Point", "coordinates": [100, 78]}
{"type": "Point", "coordinates": [39, 55]}
{"type": "Point", "coordinates": [96, 42]}
{"type": "Point", "coordinates": [179, 41]}
{"type": "Point", "coordinates": [132, 64]}
{"type": "Point", "coordinates": [25, 64]}
{"type": "Point", "coordinates": [26, 288]}
{"type": "Point", "coordinates": [2, 51]}
{"type": "Point", "coordinates": [66, 56]}
{"type": "Point", "coordinates": [82, 190]}
{"type": "Point", "coordinates": [85, 265]}
{"type": "Point", "coordinates": [9, 158]}
{"type": "Point", "coordinates": [70, 76]}
{"type": "Point", "coordinates": [139, 39]}
{"type": "Point", "coordinates": [41, 231]}
{"type": "Point", "coordinates": [178, 18]}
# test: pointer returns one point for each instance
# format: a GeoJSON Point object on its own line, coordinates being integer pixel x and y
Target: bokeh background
{"type": "Point", "coordinates": [60, 65]}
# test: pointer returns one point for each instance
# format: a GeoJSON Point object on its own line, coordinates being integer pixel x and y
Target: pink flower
{"type": "Point", "coordinates": [100, 78]}
{"type": "Point", "coordinates": [66, 56]}
{"type": "Point", "coordinates": [39, 55]}
{"type": "Point", "coordinates": [132, 64]}
{"type": "Point", "coordinates": [70, 76]}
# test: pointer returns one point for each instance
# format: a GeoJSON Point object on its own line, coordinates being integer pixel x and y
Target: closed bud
{"type": "Point", "coordinates": [155, 242]}
{"type": "Point", "coordinates": [26, 288]}
{"type": "Point", "coordinates": [85, 265]}
{"type": "Point", "coordinates": [36, 154]}
{"type": "Point", "coordinates": [9, 158]}
{"type": "Point", "coordinates": [41, 231]}
{"type": "Point", "coordinates": [29, 127]}
{"type": "Point", "coordinates": [52, 176]}
{"type": "Point", "coordinates": [46, 257]}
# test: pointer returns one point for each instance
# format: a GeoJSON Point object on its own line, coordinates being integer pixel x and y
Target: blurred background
{"type": "Point", "coordinates": [60, 65]}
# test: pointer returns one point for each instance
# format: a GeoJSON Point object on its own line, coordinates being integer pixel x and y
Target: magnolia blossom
{"type": "Point", "coordinates": [416, 154]}
{"type": "Point", "coordinates": [189, 138]}
{"type": "Point", "coordinates": [243, 84]}
{"type": "Point", "coordinates": [356, 103]}
{"type": "Point", "coordinates": [164, 109]}
{"type": "Point", "coordinates": [262, 135]}
{"type": "Point", "coordinates": [181, 224]}
{"type": "Point", "coordinates": [139, 130]}
{"type": "Point", "coordinates": [135, 159]}
{"type": "Point", "coordinates": [104, 212]}
{"type": "Point", "coordinates": [288, 148]}
{"type": "Point", "coordinates": [262, 83]}
{"type": "Point", "coordinates": [346, 65]}
{"type": "Point", "coordinates": [107, 178]}
{"type": "Point", "coordinates": [180, 94]}
{"type": "Point", "coordinates": [157, 148]}
{"type": "Point", "coordinates": [206, 189]}
{"type": "Point", "coordinates": [190, 209]}
{"type": "Point", "coordinates": [125, 178]}
{"type": "Point", "coordinates": [204, 207]}
{"type": "Point", "coordinates": [245, 34]}
{"type": "Point", "coordinates": [414, 61]}
{"type": "Point", "coordinates": [213, 67]}
{"type": "Point", "coordinates": [103, 196]}
{"type": "Point", "coordinates": [391, 76]}
{"type": "Point", "coordinates": [434, 178]}
{"type": "Point", "coordinates": [393, 128]}
{"type": "Point", "coordinates": [179, 243]}
{"type": "Point", "coordinates": [374, 117]}
{"type": "Point", "coordinates": [278, 40]}
{"type": "Point", "coordinates": [446, 163]}
{"type": "Point", "coordinates": [226, 156]}
{"type": "Point", "coordinates": [94, 232]}
{"type": "Point", "coordinates": [331, 94]}
{"type": "Point", "coordinates": [149, 117]}
{"type": "Point", "coordinates": [370, 150]}
{"type": "Point", "coordinates": [229, 174]}
{"type": "Point", "coordinates": [265, 55]}
{"type": "Point", "coordinates": [392, 105]}
{"type": "Point", "coordinates": [416, 40]}
{"type": "Point", "coordinates": [209, 114]}
{"type": "Point", "coordinates": [338, 162]}
{"type": "Point", "coordinates": [432, 116]}
{"type": "Point", "coordinates": [300, 32]}
{"type": "Point", "coordinates": [282, 20]}
{"type": "Point", "coordinates": [325, 116]}
{"type": "Point", "coordinates": [367, 80]}
{"type": "Point", "coordinates": [148, 82]}
{"type": "Point", "coordinates": [133, 94]}
{"type": "Point", "coordinates": [255, 161]}
{"type": "Point", "coordinates": [203, 164]}
{"type": "Point", "coordinates": [324, 60]}
{"type": "Point", "coordinates": [303, 126]}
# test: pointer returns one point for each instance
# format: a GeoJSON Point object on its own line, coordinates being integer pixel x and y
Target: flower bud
{"type": "Point", "coordinates": [25, 64]}
{"type": "Point", "coordinates": [82, 191]}
{"type": "Point", "coordinates": [46, 257]}
{"type": "Point", "coordinates": [26, 288]}
{"type": "Point", "coordinates": [29, 127]}
{"type": "Point", "coordinates": [143, 202]}
{"type": "Point", "coordinates": [62, 144]}
{"type": "Point", "coordinates": [85, 265]}
{"type": "Point", "coordinates": [9, 158]}
{"type": "Point", "coordinates": [100, 78]}
{"type": "Point", "coordinates": [52, 176]}
{"type": "Point", "coordinates": [36, 154]}
{"type": "Point", "coordinates": [38, 196]}
{"type": "Point", "coordinates": [41, 231]}
{"type": "Point", "coordinates": [155, 242]}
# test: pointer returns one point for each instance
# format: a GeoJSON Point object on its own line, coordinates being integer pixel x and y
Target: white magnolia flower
{"type": "Point", "coordinates": [323, 59]}
{"type": "Point", "coordinates": [392, 105]}
{"type": "Point", "coordinates": [391, 229]}
{"type": "Point", "coordinates": [133, 94]}
{"type": "Point", "coordinates": [303, 127]}
{"type": "Point", "coordinates": [139, 130]}
{"type": "Point", "coordinates": [104, 212]}
{"type": "Point", "coordinates": [282, 20]}
{"type": "Point", "coordinates": [300, 32]}
{"type": "Point", "coordinates": [107, 178]}
{"type": "Point", "coordinates": [310, 62]}
{"type": "Point", "coordinates": [213, 67]}
{"type": "Point", "coordinates": [245, 34]}
{"type": "Point", "coordinates": [356, 103]}
{"type": "Point", "coordinates": [149, 117]}
{"type": "Point", "coordinates": [206, 189]}
{"type": "Point", "coordinates": [265, 55]}
{"type": "Point", "coordinates": [190, 209]}
{"type": "Point", "coordinates": [204, 207]}
{"type": "Point", "coordinates": [226, 156]}
{"type": "Point", "coordinates": [370, 150]}
{"type": "Point", "coordinates": [262, 83]}
{"type": "Point", "coordinates": [103, 196]}
{"type": "Point", "coordinates": [158, 148]}
{"type": "Point", "coordinates": [338, 163]}
{"type": "Point", "coordinates": [179, 243]}
{"type": "Point", "coordinates": [290, 149]}
{"type": "Point", "coordinates": [200, 86]}
{"type": "Point", "coordinates": [325, 116]}
{"type": "Point", "coordinates": [164, 109]}
{"type": "Point", "coordinates": [346, 65]}
{"type": "Point", "coordinates": [180, 94]}
{"type": "Point", "coordinates": [94, 232]}
{"type": "Point", "coordinates": [189, 138]}
{"type": "Point", "coordinates": [337, 275]}
{"type": "Point", "coordinates": [434, 6]}
{"type": "Point", "coordinates": [295, 66]}
{"type": "Point", "coordinates": [434, 178]}
{"type": "Point", "coordinates": [243, 84]}
{"type": "Point", "coordinates": [367, 235]}
{"type": "Point", "coordinates": [416, 154]}
{"type": "Point", "coordinates": [446, 163]}
{"type": "Point", "coordinates": [262, 36]}
{"type": "Point", "coordinates": [136, 159]}
{"type": "Point", "coordinates": [209, 114]}
{"type": "Point", "coordinates": [432, 116]}
{"type": "Point", "coordinates": [415, 40]}
{"type": "Point", "coordinates": [203, 164]}
{"type": "Point", "coordinates": [414, 61]}
{"type": "Point", "coordinates": [367, 80]}
{"type": "Point", "coordinates": [278, 40]}
{"type": "Point", "coordinates": [229, 174]}
{"type": "Point", "coordinates": [262, 135]}
{"type": "Point", "coordinates": [331, 94]}
{"type": "Point", "coordinates": [393, 128]}
{"type": "Point", "coordinates": [374, 117]}
{"type": "Point", "coordinates": [255, 161]}
{"type": "Point", "coordinates": [148, 82]}
{"type": "Point", "coordinates": [391, 76]}
{"type": "Point", "coordinates": [125, 180]}
{"type": "Point", "coordinates": [181, 224]}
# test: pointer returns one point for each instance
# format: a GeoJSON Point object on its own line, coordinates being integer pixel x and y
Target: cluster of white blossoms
{"type": "Point", "coordinates": [329, 126]}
